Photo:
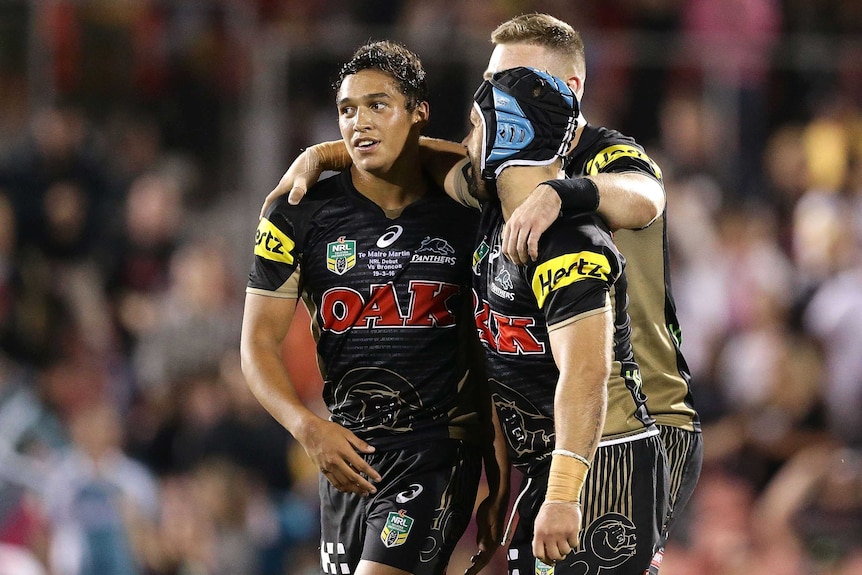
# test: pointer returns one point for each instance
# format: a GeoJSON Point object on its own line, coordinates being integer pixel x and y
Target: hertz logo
{"type": "Point", "coordinates": [566, 270]}
{"type": "Point", "coordinates": [612, 153]}
{"type": "Point", "coordinates": [272, 244]}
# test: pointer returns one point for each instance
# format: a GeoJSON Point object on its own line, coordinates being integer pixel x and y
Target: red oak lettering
{"type": "Point", "coordinates": [428, 304]}
{"type": "Point", "coordinates": [343, 308]}
{"type": "Point", "coordinates": [512, 336]}
{"type": "Point", "coordinates": [483, 317]}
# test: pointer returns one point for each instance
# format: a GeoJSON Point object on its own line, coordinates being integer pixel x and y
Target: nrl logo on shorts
{"type": "Point", "coordinates": [397, 529]}
{"type": "Point", "coordinates": [340, 255]}
{"type": "Point", "coordinates": [479, 255]}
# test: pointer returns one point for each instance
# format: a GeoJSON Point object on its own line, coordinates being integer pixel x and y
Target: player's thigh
{"type": "Point", "coordinates": [422, 507]}
{"type": "Point", "coordinates": [624, 506]}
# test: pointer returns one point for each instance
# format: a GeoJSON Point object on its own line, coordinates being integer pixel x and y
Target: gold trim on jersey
{"type": "Point", "coordinates": [567, 269]}
{"type": "Point", "coordinates": [573, 319]}
{"type": "Point", "coordinates": [611, 153]}
{"type": "Point", "coordinates": [271, 243]}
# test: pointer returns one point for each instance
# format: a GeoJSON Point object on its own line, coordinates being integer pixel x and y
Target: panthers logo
{"type": "Point", "coordinates": [527, 430]}
{"type": "Point", "coordinates": [609, 542]}
{"type": "Point", "coordinates": [437, 246]}
{"type": "Point", "coordinates": [375, 398]}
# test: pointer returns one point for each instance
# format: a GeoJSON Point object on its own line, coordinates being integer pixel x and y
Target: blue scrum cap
{"type": "Point", "coordinates": [529, 119]}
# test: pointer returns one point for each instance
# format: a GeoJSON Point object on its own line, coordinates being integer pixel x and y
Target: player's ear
{"type": "Point", "coordinates": [421, 113]}
{"type": "Point", "coordinates": [576, 85]}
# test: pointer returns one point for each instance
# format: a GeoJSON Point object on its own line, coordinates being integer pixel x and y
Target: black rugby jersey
{"type": "Point", "coordinates": [656, 333]}
{"type": "Point", "coordinates": [385, 297]}
{"type": "Point", "coordinates": [579, 271]}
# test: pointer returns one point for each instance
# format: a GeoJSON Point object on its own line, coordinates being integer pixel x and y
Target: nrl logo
{"type": "Point", "coordinates": [397, 529]}
{"type": "Point", "coordinates": [340, 255]}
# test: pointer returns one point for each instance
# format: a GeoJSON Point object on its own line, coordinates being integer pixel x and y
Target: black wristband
{"type": "Point", "coordinates": [577, 195]}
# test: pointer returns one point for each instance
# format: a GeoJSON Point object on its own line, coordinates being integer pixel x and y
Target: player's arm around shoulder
{"type": "Point", "coordinates": [628, 200]}
{"type": "Point", "coordinates": [306, 170]}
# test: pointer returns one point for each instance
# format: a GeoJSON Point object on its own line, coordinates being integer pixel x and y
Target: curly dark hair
{"type": "Point", "coordinates": [393, 59]}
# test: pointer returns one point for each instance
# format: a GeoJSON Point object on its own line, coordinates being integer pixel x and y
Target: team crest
{"type": "Point", "coordinates": [397, 529]}
{"type": "Point", "coordinates": [340, 255]}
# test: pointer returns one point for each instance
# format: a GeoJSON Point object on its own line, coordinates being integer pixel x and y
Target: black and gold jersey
{"type": "Point", "coordinates": [656, 334]}
{"type": "Point", "coordinates": [389, 299]}
{"type": "Point", "coordinates": [579, 272]}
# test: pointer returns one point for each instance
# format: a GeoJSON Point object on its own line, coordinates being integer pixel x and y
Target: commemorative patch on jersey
{"type": "Point", "coordinates": [613, 153]}
{"type": "Point", "coordinates": [272, 244]}
{"type": "Point", "coordinates": [397, 528]}
{"type": "Point", "coordinates": [567, 269]}
{"type": "Point", "coordinates": [340, 255]}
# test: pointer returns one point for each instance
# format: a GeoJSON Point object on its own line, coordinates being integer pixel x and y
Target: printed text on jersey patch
{"type": "Point", "coordinates": [272, 244]}
{"type": "Point", "coordinates": [340, 255]}
{"type": "Point", "coordinates": [567, 269]}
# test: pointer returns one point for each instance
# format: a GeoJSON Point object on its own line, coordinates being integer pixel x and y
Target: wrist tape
{"type": "Point", "coordinates": [566, 478]}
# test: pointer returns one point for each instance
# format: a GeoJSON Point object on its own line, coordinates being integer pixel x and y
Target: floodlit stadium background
{"type": "Point", "coordinates": [138, 139]}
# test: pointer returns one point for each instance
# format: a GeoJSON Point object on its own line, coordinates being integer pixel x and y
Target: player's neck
{"type": "Point", "coordinates": [394, 189]}
{"type": "Point", "coordinates": [516, 183]}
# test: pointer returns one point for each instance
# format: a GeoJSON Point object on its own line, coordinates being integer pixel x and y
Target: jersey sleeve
{"type": "Point", "coordinates": [275, 270]}
{"type": "Point", "coordinates": [575, 271]}
{"type": "Point", "coordinates": [621, 155]}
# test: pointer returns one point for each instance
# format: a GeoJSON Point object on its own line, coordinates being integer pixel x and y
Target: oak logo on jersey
{"type": "Point", "coordinates": [567, 269]}
{"type": "Point", "coordinates": [272, 244]}
{"type": "Point", "coordinates": [613, 153]}
{"type": "Point", "coordinates": [397, 528]}
{"type": "Point", "coordinates": [340, 255]}
{"type": "Point", "coordinates": [343, 308]}
{"type": "Point", "coordinates": [507, 335]}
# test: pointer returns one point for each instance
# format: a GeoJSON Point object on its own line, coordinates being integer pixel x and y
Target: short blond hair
{"type": "Point", "coordinates": [543, 30]}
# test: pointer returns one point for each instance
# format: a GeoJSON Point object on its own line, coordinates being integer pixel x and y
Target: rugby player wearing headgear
{"type": "Point", "coordinates": [559, 357]}
{"type": "Point", "coordinates": [381, 257]}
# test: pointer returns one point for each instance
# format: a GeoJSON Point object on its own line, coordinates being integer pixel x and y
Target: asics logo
{"type": "Point", "coordinates": [408, 494]}
{"type": "Point", "coordinates": [392, 234]}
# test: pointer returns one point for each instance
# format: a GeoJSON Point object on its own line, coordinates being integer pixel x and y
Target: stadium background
{"type": "Point", "coordinates": [139, 137]}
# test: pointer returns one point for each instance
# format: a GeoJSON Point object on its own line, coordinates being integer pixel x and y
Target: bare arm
{"type": "Point", "coordinates": [440, 158]}
{"type": "Point", "coordinates": [334, 449]}
{"type": "Point", "coordinates": [582, 351]}
{"type": "Point", "coordinates": [629, 201]}
{"type": "Point", "coordinates": [626, 201]}
{"type": "Point", "coordinates": [305, 170]}
{"type": "Point", "coordinates": [491, 513]}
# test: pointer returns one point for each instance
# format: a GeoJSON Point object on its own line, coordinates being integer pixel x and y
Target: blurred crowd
{"type": "Point", "coordinates": [129, 442]}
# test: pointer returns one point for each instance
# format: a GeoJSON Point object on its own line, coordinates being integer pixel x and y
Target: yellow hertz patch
{"type": "Point", "coordinates": [272, 244]}
{"type": "Point", "coordinates": [611, 153]}
{"type": "Point", "coordinates": [566, 270]}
